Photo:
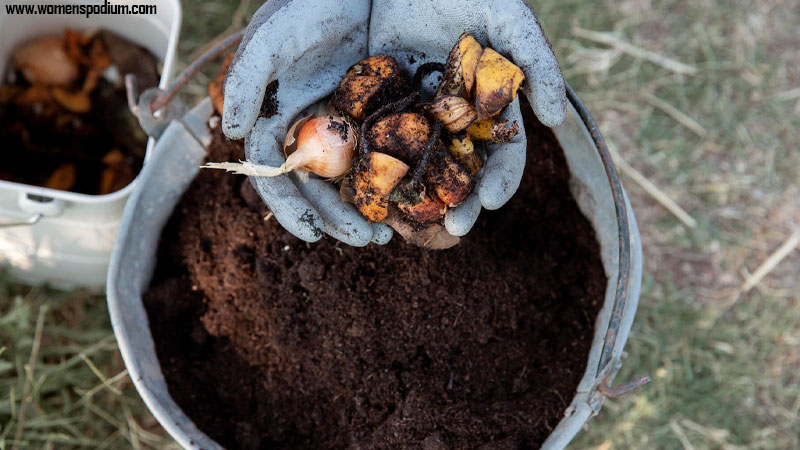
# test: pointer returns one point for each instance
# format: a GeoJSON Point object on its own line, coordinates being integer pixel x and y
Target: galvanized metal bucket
{"type": "Point", "coordinates": [173, 166]}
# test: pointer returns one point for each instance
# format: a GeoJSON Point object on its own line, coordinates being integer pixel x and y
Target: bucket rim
{"type": "Point", "coordinates": [623, 229]}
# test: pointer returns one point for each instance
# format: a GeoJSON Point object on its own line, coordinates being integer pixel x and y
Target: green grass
{"type": "Point", "coordinates": [724, 364]}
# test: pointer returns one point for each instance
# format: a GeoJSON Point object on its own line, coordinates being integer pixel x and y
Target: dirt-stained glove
{"type": "Point", "coordinates": [308, 46]}
{"type": "Point", "coordinates": [425, 30]}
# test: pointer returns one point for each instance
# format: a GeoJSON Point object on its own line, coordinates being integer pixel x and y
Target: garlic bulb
{"type": "Point", "coordinates": [456, 113]}
{"type": "Point", "coordinates": [324, 146]}
{"type": "Point", "coordinates": [44, 61]}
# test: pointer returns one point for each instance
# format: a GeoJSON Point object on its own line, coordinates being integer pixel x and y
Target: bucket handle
{"type": "Point", "coordinates": [32, 220]}
{"type": "Point", "coordinates": [621, 296]}
{"type": "Point", "coordinates": [38, 206]}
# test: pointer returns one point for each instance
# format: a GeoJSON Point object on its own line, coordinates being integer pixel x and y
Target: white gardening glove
{"type": "Point", "coordinates": [307, 46]}
{"type": "Point", "coordinates": [425, 30]}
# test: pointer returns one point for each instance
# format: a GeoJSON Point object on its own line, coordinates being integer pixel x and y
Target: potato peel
{"type": "Point", "coordinates": [354, 93]}
{"type": "Point", "coordinates": [401, 135]}
{"type": "Point", "coordinates": [451, 182]}
{"type": "Point", "coordinates": [365, 82]}
{"type": "Point", "coordinates": [378, 66]}
{"type": "Point", "coordinates": [430, 209]}
{"type": "Point", "coordinates": [375, 176]}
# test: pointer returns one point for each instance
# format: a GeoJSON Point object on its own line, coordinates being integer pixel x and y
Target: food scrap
{"type": "Point", "coordinates": [400, 160]}
{"type": "Point", "coordinates": [64, 116]}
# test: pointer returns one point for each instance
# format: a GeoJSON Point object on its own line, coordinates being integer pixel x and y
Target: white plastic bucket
{"type": "Point", "coordinates": [70, 244]}
{"type": "Point", "coordinates": [175, 163]}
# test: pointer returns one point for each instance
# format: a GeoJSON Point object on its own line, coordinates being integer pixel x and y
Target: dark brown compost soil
{"type": "Point", "coordinates": [269, 342]}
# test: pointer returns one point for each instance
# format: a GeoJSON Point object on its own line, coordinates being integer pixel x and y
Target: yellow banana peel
{"type": "Point", "coordinates": [497, 81]}
{"type": "Point", "coordinates": [459, 76]}
{"type": "Point", "coordinates": [470, 51]}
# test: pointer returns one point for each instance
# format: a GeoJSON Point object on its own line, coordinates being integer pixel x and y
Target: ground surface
{"type": "Point", "coordinates": [721, 141]}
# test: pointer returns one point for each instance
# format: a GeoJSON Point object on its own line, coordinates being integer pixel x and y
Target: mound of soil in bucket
{"type": "Point", "coordinates": [269, 342]}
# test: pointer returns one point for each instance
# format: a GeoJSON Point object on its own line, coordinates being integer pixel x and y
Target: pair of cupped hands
{"type": "Point", "coordinates": [308, 45]}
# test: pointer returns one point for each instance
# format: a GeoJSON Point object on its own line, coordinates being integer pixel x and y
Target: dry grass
{"type": "Point", "coordinates": [721, 142]}
{"type": "Point", "coordinates": [62, 380]}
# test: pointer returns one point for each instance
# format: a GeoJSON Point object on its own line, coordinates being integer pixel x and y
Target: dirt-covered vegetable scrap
{"type": "Point", "coordinates": [401, 159]}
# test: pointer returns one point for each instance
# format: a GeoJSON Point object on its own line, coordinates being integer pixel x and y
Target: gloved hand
{"type": "Point", "coordinates": [308, 45]}
{"type": "Point", "coordinates": [425, 31]}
